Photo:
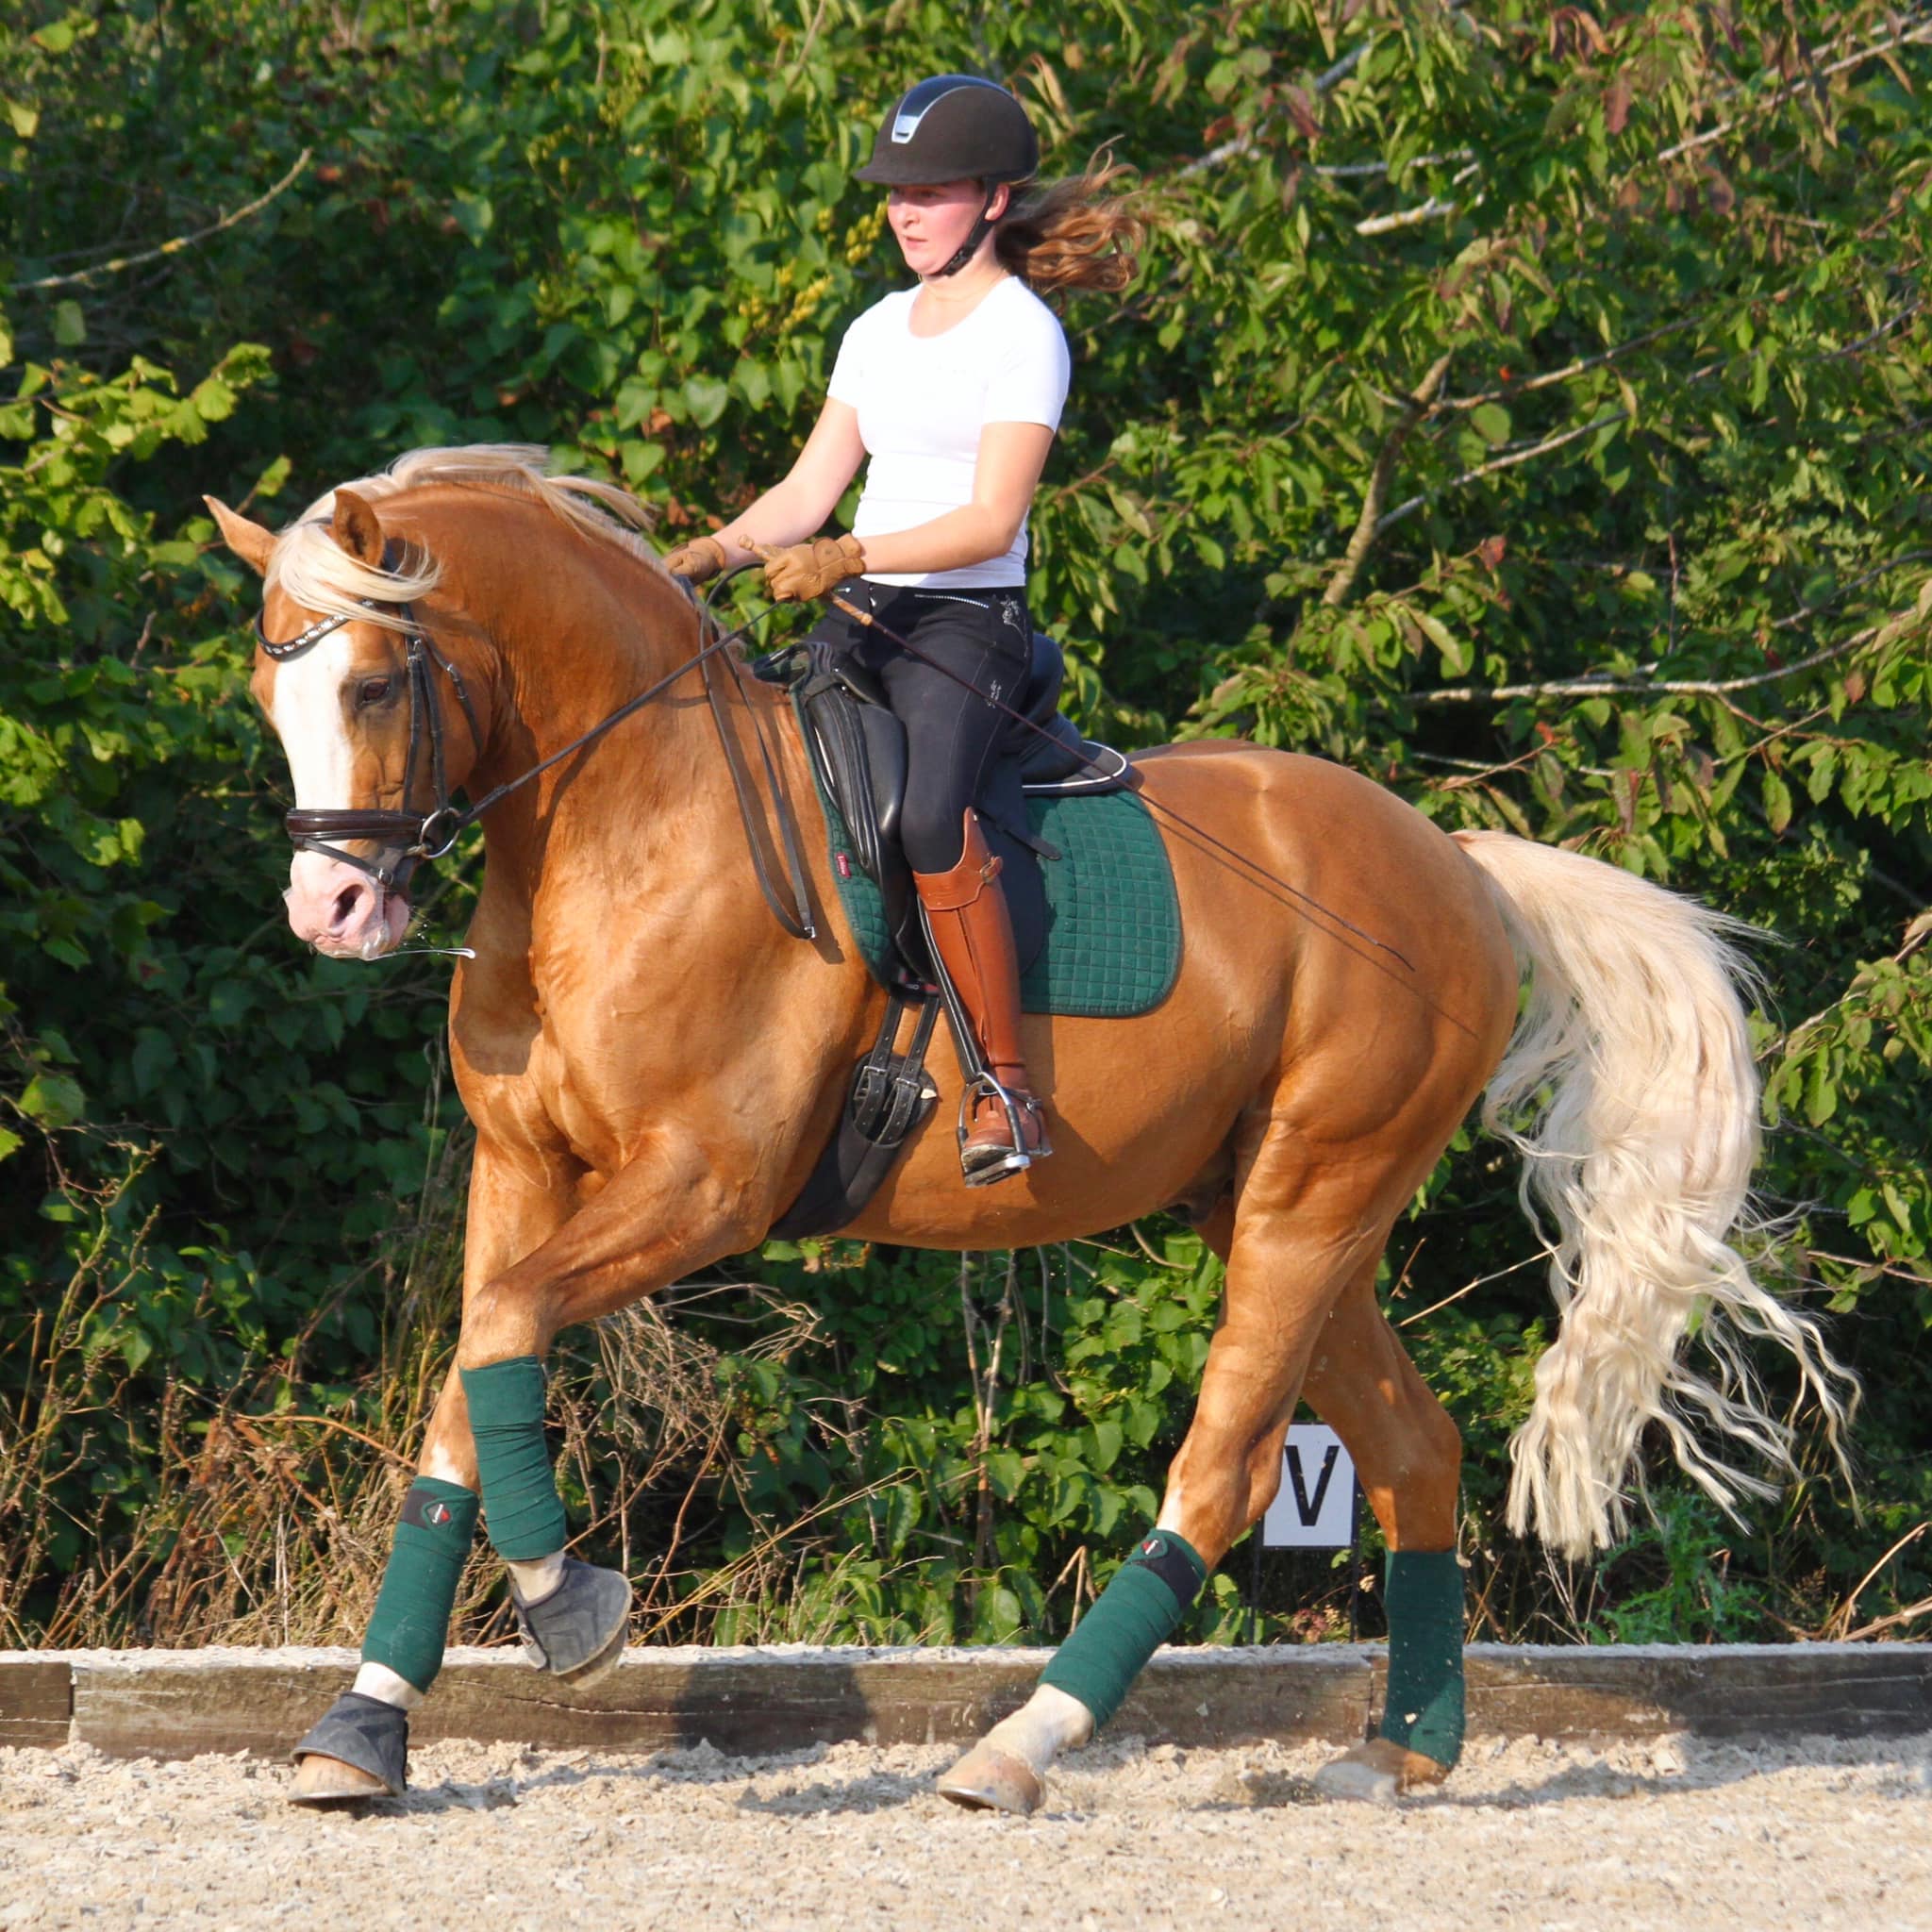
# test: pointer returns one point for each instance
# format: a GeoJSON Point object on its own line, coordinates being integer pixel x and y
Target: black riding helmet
{"type": "Point", "coordinates": [954, 127]}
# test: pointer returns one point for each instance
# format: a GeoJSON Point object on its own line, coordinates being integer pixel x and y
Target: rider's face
{"type": "Point", "coordinates": [931, 222]}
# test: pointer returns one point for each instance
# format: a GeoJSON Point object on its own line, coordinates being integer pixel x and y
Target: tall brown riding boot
{"type": "Point", "coordinates": [1004, 1131]}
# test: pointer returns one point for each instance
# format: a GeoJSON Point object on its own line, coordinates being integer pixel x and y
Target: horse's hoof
{"type": "Point", "coordinates": [360, 1749]}
{"type": "Point", "coordinates": [1378, 1772]}
{"type": "Point", "coordinates": [320, 1780]}
{"type": "Point", "coordinates": [990, 1779]}
{"type": "Point", "coordinates": [576, 1633]}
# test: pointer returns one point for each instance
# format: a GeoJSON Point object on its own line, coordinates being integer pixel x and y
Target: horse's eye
{"type": "Point", "coordinates": [372, 690]}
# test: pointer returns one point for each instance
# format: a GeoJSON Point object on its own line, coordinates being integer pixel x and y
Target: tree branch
{"type": "Point", "coordinates": [1915, 936]}
{"type": "Point", "coordinates": [1511, 458]}
{"type": "Point", "coordinates": [1512, 390]}
{"type": "Point", "coordinates": [1350, 171]}
{"type": "Point", "coordinates": [1916, 38]}
{"type": "Point", "coordinates": [1414, 407]}
{"type": "Point", "coordinates": [1884, 329]}
{"type": "Point", "coordinates": [1909, 1614]}
{"type": "Point", "coordinates": [1409, 217]}
{"type": "Point", "coordinates": [1662, 687]}
{"type": "Point", "coordinates": [83, 279]}
{"type": "Point", "coordinates": [1502, 462]}
{"type": "Point", "coordinates": [811, 34]}
{"type": "Point", "coordinates": [1808, 611]}
{"type": "Point", "coordinates": [1333, 76]}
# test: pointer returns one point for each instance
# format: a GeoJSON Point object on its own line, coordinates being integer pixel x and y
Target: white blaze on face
{"type": "Point", "coordinates": [331, 904]}
{"type": "Point", "coordinates": [308, 714]}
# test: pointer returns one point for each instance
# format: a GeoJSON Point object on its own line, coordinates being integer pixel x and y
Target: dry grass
{"type": "Point", "coordinates": [269, 1524]}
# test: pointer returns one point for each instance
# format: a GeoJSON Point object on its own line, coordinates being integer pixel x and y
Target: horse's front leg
{"type": "Point", "coordinates": [359, 1748]}
{"type": "Point", "coordinates": [666, 1213]}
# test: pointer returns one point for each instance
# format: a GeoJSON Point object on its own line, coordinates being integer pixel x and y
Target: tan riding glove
{"type": "Point", "coordinates": [799, 570]}
{"type": "Point", "coordinates": [702, 557]}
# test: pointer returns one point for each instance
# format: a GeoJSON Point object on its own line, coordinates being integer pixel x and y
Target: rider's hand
{"type": "Point", "coordinates": [799, 570]}
{"type": "Point", "coordinates": [702, 557]}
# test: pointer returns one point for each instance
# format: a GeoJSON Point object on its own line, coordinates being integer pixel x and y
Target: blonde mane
{"type": "Point", "coordinates": [308, 564]}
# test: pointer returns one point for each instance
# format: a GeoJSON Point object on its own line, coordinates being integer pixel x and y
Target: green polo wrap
{"type": "Point", "coordinates": [1135, 1616]}
{"type": "Point", "coordinates": [520, 1507]}
{"type": "Point", "coordinates": [419, 1586]}
{"type": "Point", "coordinates": [1424, 1594]}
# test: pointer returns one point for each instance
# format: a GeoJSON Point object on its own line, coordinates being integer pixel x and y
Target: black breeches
{"type": "Point", "coordinates": [953, 723]}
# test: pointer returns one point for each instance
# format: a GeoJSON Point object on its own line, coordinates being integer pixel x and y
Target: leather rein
{"type": "Point", "coordinates": [407, 837]}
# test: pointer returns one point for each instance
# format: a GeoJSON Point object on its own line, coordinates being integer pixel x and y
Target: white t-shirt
{"type": "Point", "coordinates": [923, 401]}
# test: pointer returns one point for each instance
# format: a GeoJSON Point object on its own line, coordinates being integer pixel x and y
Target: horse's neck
{"type": "Point", "coordinates": [576, 642]}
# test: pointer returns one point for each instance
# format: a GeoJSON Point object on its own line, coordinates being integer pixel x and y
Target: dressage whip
{"type": "Point", "coordinates": [1179, 818]}
{"type": "Point", "coordinates": [456, 822]}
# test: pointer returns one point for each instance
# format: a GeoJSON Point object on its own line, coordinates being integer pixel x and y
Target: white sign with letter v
{"type": "Point", "coordinates": [1314, 1509]}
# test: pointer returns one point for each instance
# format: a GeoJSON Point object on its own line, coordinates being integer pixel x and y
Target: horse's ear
{"type": "Point", "coordinates": [357, 528]}
{"type": "Point", "coordinates": [250, 542]}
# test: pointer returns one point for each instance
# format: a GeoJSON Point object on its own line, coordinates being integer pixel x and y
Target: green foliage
{"type": "Point", "coordinates": [1673, 1583]}
{"type": "Point", "coordinates": [1523, 407]}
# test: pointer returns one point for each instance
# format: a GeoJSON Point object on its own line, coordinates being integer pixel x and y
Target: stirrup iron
{"type": "Point", "coordinates": [1017, 1157]}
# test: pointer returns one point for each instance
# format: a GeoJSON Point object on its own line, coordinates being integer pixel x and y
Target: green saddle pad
{"type": "Point", "coordinates": [1113, 924]}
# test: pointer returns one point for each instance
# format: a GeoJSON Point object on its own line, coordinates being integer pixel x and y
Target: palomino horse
{"type": "Point", "coordinates": [653, 1066]}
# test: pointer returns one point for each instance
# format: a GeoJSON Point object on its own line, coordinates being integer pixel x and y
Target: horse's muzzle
{"type": "Point", "coordinates": [343, 912]}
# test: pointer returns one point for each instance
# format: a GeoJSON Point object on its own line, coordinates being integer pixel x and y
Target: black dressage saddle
{"type": "Point", "coordinates": [858, 749]}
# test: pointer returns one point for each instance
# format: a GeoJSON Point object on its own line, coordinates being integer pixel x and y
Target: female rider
{"type": "Point", "coordinates": [953, 389]}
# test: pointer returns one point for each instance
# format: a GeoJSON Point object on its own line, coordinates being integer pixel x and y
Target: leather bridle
{"type": "Point", "coordinates": [412, 836]}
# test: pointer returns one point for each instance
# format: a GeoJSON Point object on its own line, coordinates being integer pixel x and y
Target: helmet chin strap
{"type": "Point", "coordinates": [969, 247]}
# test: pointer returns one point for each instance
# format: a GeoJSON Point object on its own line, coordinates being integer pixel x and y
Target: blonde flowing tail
{"type": "Point", "coordinates": [1630, 1091]}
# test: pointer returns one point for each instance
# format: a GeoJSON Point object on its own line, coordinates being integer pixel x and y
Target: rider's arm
{"type": "Point", "coordinates": [797, 509]}
{"type": "Point", "coordinates": [1011, 456]}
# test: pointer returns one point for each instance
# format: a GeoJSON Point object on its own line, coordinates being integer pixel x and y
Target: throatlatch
{"type": "Point", "coordinates": [1137, 1613]}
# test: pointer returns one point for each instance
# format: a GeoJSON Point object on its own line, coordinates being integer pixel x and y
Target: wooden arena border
{"type": "Point", "coordinates": [176, 1703]}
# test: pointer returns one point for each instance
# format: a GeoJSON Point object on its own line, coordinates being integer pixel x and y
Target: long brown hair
{"type": "Point", "coordinates": [1079, 233]}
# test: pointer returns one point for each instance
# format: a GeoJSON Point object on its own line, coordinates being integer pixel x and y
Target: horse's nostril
{"type": "Point", "coordinates": [348, 900]}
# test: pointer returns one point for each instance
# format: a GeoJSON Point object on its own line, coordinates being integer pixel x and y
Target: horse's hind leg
{"type": "Point", "coordinates": [1308, 1225]}
{"type": "Point", "coordinates": [1408, 1456]}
